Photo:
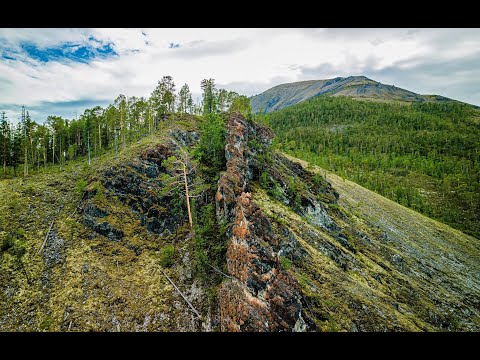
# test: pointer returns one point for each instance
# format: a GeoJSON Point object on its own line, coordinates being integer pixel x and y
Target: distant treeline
{"type": "Point", "coordinates": [58, 139]}
{"type": "Point", "coordinates": [423, 155]}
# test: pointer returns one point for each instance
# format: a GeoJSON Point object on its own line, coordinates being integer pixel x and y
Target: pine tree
{"type": "Point", "coordinates": [163, 97]}
{"type": "Point", "coordinates": [4, 141]}
{"type": "Point", "coordinates": [209, 101]}
{"type": "Point", "coordinates": [16, 149]}
{"type": "Point", "coordinates": [242, 105]}
{"type": "Point", "coordinates": [184, 97]}
{"type": "Point", "coordinates": [121, 104]}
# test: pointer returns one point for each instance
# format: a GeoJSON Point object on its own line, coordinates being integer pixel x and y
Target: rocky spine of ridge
{"type": "Point", "coordinates": [261, 295]}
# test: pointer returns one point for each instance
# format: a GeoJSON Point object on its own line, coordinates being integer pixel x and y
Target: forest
{"type": "Point", "coordinates": [29, 145]}
{"type": "Point", "coordinates": [422, 155]}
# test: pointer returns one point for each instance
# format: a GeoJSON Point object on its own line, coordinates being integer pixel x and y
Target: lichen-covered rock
{"type": "Point", "coordinates": [104, 228]}
{"type": "Point", "coordinates": [262, 296]}
{"type": "Point", "coordinates": [54, 252]}
{"type": "Point", "coordinates": [317, 215]}
{"type": "Point", "coordinates": [137, 185]}
{"type": "Point", "coordinates": [289, 245]}
{"type": "Point", "coordinates": [158, 153]}
{"type": "Point", "coordinates": [185, 138]}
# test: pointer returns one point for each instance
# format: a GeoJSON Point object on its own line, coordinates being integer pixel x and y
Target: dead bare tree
{"type": "Point", "coordinates": [181, 168]}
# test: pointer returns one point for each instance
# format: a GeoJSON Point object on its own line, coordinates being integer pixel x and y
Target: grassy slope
{"type": "Point", "coordinates": [95, 283]}
{"type": "Point", "coordinates": [412, 273]}
{"type": "Point", "coordinates": [400, 221]}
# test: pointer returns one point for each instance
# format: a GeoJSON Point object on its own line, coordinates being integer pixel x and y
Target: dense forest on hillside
{"type": "Point", "coordinates": [423, 155]}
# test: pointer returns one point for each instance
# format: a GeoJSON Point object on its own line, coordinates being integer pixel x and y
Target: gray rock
{"type": "Point", "coordinates": [92, 210]}
{"type": "Point", "coordinates": [289, 245]}
{"type": "Point", "coordinates": [104, 228]}
{"type": "Point", "coordinates": [185, 138]}
{"type": "Point", "coordinates": [300, 325]}
{"type": "Point", "coordinates": [397, 260]}
{"type": "Point", "coordinates": [54, 250]}
{"type": "Point", "coordinates": [317, 214]}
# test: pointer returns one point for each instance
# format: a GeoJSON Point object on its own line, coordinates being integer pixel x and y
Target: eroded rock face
{"type": "Point", "coordinates": [261, 296]}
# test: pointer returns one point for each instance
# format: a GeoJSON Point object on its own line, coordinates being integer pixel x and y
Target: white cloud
{"type": "Point", "coordinates": [249, 60]}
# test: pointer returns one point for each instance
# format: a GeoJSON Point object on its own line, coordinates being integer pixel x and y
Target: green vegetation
{"type": "Point", "coordinates": [113, 200]}
{"type": "Point", "coordinates": [14, 244]}
{"type": "Point", "coordinates": [422, 155]}
{"type": "Point", "coordinates": [29, 146]}
{"type": "Point", "coordinates": [81, 186]}
{"type": "Point", "coordinates": [211, 148]}
{"type": "Point", "coordinates": [242, 105]}
{"type": "Point", "coordinates": [286, 262]}
{"type": "Point", "coordinates": [85, 275]}
{"type": "Point", "coordinates": [167, 255]}
{"type": "Point", "coordinates": [210, 241]}
{"type": "Point", "coordinates": [365, 288]}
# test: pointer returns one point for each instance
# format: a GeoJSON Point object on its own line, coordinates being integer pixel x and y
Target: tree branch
{"type": "Point", "coordinates": [183, 296]}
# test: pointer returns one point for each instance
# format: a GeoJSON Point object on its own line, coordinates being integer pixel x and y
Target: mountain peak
{"type": "Point", "coordinates": [356, 86]}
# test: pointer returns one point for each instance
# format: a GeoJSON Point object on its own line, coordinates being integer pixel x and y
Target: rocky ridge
{"type": "Point", "coordinates": [261, 296]}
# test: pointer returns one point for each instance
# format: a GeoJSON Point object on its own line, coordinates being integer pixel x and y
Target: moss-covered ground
{"type": "Point", "coordinates": [84, 281]}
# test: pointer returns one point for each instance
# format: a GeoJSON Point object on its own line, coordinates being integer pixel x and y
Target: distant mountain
{"type": "Point", "coordinates": [284, 95]}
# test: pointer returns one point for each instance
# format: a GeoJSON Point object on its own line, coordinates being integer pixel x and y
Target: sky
{"type": "Point", "coordinates": [65, 71]}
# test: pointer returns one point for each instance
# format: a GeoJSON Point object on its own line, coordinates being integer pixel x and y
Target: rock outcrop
{"type": "Point", "coordinates": [137, 185]}
{"type": "Point", "coordinates": [261, 296]}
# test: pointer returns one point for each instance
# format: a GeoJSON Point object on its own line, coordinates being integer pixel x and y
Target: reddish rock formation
{"type": "Point", "coordinates": [262, 296]}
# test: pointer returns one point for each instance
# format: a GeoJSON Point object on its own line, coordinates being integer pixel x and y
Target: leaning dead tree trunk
{"type": "Point", "coordinates": [48, 232]}
{"type": "Point", "coordinates": [220, 272]}
{"type": "Point", "coordinates": [183, 296]}
{"type": "Point", "coordinates": [180, 175]}
{"type": "Point", "coordinates": [186, 194]}
{"type": "Point", "coordinates": [46, 237]}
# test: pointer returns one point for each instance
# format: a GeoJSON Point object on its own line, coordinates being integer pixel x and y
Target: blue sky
{"type": "Point", "coordinates": [64, 52]}
{"type": "Point", "coordinates": [64, 71]}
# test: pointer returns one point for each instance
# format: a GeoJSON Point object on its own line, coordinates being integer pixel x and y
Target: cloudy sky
{"type": "Point", "coordinates": [65, 71]}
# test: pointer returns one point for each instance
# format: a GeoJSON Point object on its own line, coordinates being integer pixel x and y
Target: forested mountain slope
{"type": "Point", "coordinates": [423, 155]}
{"type": "Point", "coordinates": [284, 95]}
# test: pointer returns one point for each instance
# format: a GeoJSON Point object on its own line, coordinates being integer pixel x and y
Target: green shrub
{"type": "Point", "coordinates": [14, 243]}
{"type": "Point", "coordinates": [81, 186]}
{"type": "Point", "coordinates": [201, 258]}
{"type": "Point", "coordinates": [46, 323]}
{"type": "Point", "coordinates": [265, 182]}
{"type": "Point", "coordinates": [166, 256]}
{"type": "Point", "coordinates": [6, 243]}
{"type": "Point", "coordinates": [211, 147]}
{"type": "Point", "coordinates": [29, 190]}
{"type": "Point", "coordinates": [286, 262]}
{"type": "Point", "coordinates": [99, 194]}
{"type": "Point", "coordinates": [210, 244]}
